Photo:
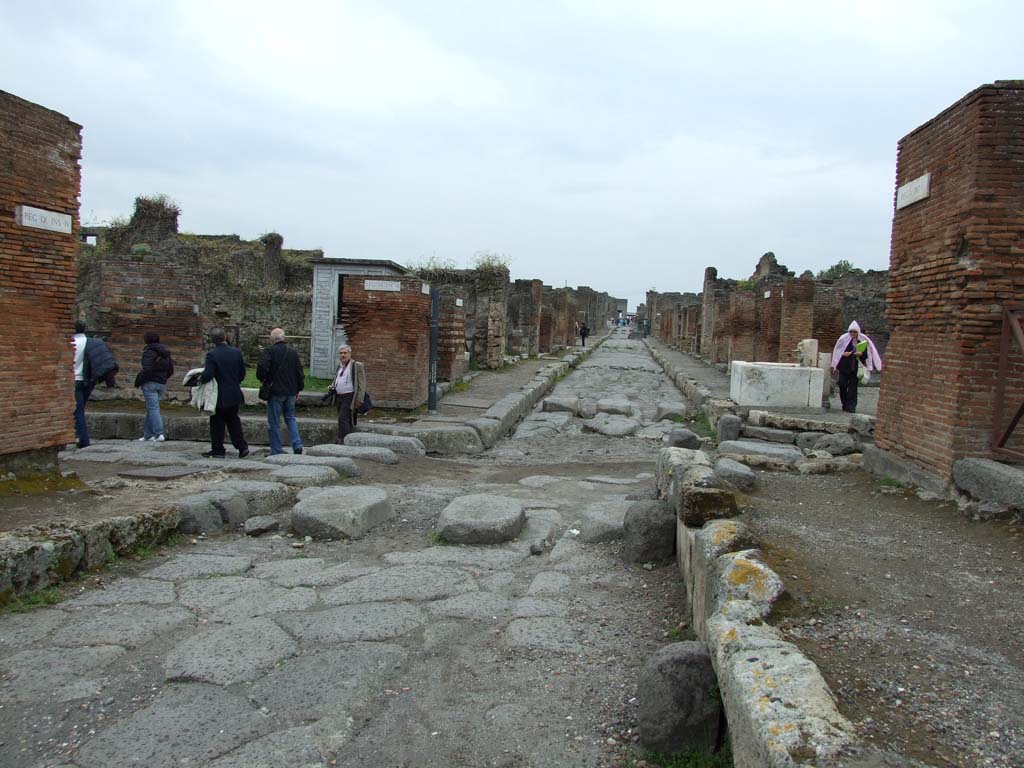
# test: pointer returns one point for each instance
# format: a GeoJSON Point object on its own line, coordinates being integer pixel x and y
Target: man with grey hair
{"type": "Point", "coordinates": [280, 372]}
{"type": "Point", "coordinates": [226, 365]}
{"type": "Point", "coordinates": [349, 390]}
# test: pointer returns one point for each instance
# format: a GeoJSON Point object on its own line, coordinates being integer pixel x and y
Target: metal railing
{"type": "Point", "coordinates": [1001, 435]}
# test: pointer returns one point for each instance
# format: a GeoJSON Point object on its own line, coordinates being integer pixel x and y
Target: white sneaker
{"type": "Point", "coordinates": [144, 439]}
{"type": "Point", "coordinates": [159, 438]}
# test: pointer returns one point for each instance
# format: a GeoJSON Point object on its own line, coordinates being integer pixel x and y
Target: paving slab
{"type": "Point", "coordinates": [378, 455]}
{"type": "Point", "coordinates": [403, 445]}
{"type": "Point", "coordinates": [198, 565]}
{"type": "Point", "coordinates": [128, 625]}
{"type": "Point", "coordinates": [786, 453]}
{"type": "Point", "coordinates": [297, 747]}
{"type": "Point", "coordinates": [477, 606]}
{"type": "Point", "coordinates": [343, 465]}
{"type": "Point", "coordinates": [23, 630]}
{"type": "Point", "coordinates": [128, 590]}
{"type": "Point", "coordinates": [185, 725]}
{"type": "Point", "coordinates": [529, 607]}
{"type": "Point", "coordinates": [548, 633]}
{"type": "Point", "coordinates": [603, 521]}
{"type": "Point", "coordinates": [230, 654]}
{"type": "Point", "coordinates": [309, 572]}
{"type": "Point", "coordinates": [320, 683]}
{"type": "Point", "coordinates": [403, 582]}
{"type": "Point", "coordinates": [549, 583]}
{"type": "Point", "coordinates": [303, 476]}
{"type": "Point", "coordinates": [235, 598]}
{"type": "Point", "coordinates": [475, 557]}
{"type": "Point", "coordinates": [351, 623]}
{"type": "Point", "coordinates": [55, 674]}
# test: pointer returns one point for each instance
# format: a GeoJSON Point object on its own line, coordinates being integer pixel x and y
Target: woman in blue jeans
{"type": "Point", "coordinates": [157, 368]}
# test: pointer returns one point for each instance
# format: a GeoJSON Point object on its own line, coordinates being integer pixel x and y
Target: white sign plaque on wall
{"type": "Point", "coordinates": [425, 289]}
{"type": "Point", "coordinates": [382, 285]}
{"type": "Point", "coordinates": [913, 191]}
{"type": "Point", "coordinates": [459, 302]}
{"type": "Point", "coordinates": [51, 221]}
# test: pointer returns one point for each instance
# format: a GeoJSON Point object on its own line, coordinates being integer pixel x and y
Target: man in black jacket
{"type": "Point", "coordinates": [226, 365]}
{"type": "Point", "coordinates": [280, 372]}
{"type": "Point", "coordinates": [93, 362]}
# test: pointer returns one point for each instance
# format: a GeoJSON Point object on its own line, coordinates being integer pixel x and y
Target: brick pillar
{"type": "Point", "coordinates": [39, 155]}
{"type": "Point", "coordinates": [768, 305]}
{"type": "Point", "coordinates": [956, 261]}
{"type": "Point", "coordinates": [741, 330]}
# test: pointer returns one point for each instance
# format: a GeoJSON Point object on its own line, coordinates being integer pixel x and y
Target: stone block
{"type": "Point", "coordinates": [702, 504]}
{"type": "Point", "coordinates": [728, 427]}
{"type": "Point", "coordinates": [745, 576]}
{"type": "Point", "coordinates": [489, 430]}
{"type": "Point", "coordinates": [612, 425]}
{"type": "Point", "coordinates": [399, 444]}
{"type": "Point", "coordinates": [668, 409]}
{"type": "Point", "coordinates": [837, 445]}
{"type": "Point", "coordinates": [562, 403]}
{"type": "Point", "coordinates": [785, 453]}
{"type": "Point", "coordinates": [736, 474]}
{"type": "Point", "coordinates": [305, 475]}
{"type": "Point", "coordinates": [805, 440]}
{"type": "Point", "coordinates": [768, 434]}
{"type": "Point", "coordinates": [615, 405]}
{"type": "Point", "coordinates": [603, 521]}
{"type": "Point", "coordinates": [684, 438]}
{"type": "Point", "coordinates": [341, 513]}
{"type": "Point", "coordinates": [649, 530]}
{"type": "Point", "coordinates": [363, 453]}
{"type": "Point", "coordinates": [481, 519]}
{"type": "Point", "coordinates": [343, 465]}
{"type": "Point", "coordinates": [781, 385]}
{"type": "Point", "coordinates": [991, 481]}
{"type": "Point", "coordinates": [681, 708]}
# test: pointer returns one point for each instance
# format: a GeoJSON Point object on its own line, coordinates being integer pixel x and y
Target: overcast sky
{"type": "Point", "coordinates": [621, 145]}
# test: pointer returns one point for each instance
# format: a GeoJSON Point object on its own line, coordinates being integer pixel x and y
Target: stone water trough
{"type": "Point", "coordinates": [783, 385]}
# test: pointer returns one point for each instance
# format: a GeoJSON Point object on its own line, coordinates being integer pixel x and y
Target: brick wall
{"type": "Point", "coordinates": [956, 261]}
{"type": "Point", "coordinates": [390, 334]}
{"type": "Point", "coordinates": [39, 156]}
{"type": "Point", "coordinates": [797, 321]}
{"type": "Point", "coordinates": [524, 311]}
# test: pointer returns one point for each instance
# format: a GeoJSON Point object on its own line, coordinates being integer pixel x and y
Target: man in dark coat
{"type": "Point", "coordinates": [226, 365]}
{"type": "Point", "coordinates": [93, 362]}
{"type": "Point", "coordinates": [280, 371]}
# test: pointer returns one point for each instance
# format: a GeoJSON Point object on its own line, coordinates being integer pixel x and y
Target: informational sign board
{"type": "Point", "coordinates": [382, 285]}
{"type": "Point", "coordinates": [913, 191]}
{"type": "Point", "coordinates": [37, 218]}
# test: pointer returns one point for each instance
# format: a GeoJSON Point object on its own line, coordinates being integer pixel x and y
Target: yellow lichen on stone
{"type": "Point", "coordinates": [724, 532]}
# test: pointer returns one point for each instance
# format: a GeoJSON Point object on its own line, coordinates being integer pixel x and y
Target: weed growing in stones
{"type": "Point", "coordinates": [699, 424]}
{"type": "Point", "coordinates": [890, 482]}
{"type": "Point", "coordinates": [48, 596]}
{"type": "Point", "coordinates": [436, 540]}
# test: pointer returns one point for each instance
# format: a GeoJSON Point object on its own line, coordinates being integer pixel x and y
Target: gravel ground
{"type": "Point", "coordinates": [913, 613]}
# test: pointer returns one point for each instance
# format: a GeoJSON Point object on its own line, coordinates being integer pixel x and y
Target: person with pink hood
{"type": "Point", "coordinates": [852, 350]}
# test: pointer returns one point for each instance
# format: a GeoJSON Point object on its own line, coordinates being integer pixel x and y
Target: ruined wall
{"type": "Point", "coordinates": [147, 277]}
{"type": "Point", "coordinates": [864, 301]}
{"type": "Point", "coordinates": [768, 311]}
{"type": "Point", "coordinates": [390, 334]}
{"type": "Point", "coordinates": [829, 323]}
{"type": "Point", "coordinates": [797, 321]}
{"type": "Point", "coordinates": [39, 155]}
{"type": "Point", "coordinates": [955, 264]}
{"type": "Point", "coordinates": [451, 343]}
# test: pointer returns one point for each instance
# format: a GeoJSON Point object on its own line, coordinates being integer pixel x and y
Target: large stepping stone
{"type": "Point", "coordinates": [612, 425]}
{"type": "Point", "coordinates": [318, 684]}
{"type": "Point", "coordinates": [55, 674]}
{"type": "Point", "coordinates": [238, 465]}
{"type": "Point", "coordinates": [379, 455]}
{"type": "Point", "coordinates": [351, 623]}
{"type": "Point", "coordinates": [561, 403]}
{"type": "Point", "coordinates": [481, 518]}
{"type": "Point", "coordinates": [615, 405]}
{"type": "Point", "coordinates": [304, 476]}
{"type": "Point", "coordinates": [196, 566]}
{"type": "Point", "coordinates": [341, 513]}
{"type": "Point", "coordinates": [185, 725]}
{"type": "Point", "coordinates": [126, 625]}
{"type": "Point", "coordinates": [409, 446]}
{"type": "Point", "coordinates": [787, 453]}
{"type": "Point", "coordinates": [344, 466]}
{"type": "Point", "coordinates": [230, 654]}
{"type": "Point", "coordinates": [404, 582]}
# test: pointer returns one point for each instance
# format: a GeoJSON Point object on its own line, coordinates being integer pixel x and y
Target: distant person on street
{"type": "Point", "coordinates": [157, 368]}
{"type": "Point", "coordinates": [93, 362]}
{"type": "Point", "coordinates": [225, 365]}
{"type": "Point", "coordinates": [852, 350]}
{"type": "Point", "coordinates": [280, 371]}
{"type": "Point", "coordinates": [349, 389]}
{"type": "Point", "coordinates": [584, 332]}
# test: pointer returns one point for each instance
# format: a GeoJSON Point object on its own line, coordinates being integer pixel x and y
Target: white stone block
{"type": "Point", "coordinates": [783, 385]}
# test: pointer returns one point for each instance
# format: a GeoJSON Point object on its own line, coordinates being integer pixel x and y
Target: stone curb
{"type": "Point", "coordinates": [700, 396]}
{"type": "Point", "coordinates": [40, 556]}
{"type": "Point", "coordinates": [780, 711]}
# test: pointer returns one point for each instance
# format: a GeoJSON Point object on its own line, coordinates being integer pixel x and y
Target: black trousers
{"type": "Point", "coordinates": [226, 417]}
{"type": "Point", "coordinates": [848, 391]}
{"type": "Point", "coordinates": [346, 416]}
